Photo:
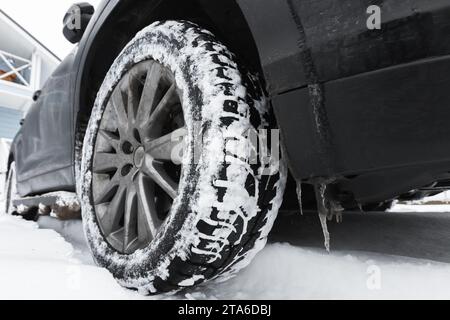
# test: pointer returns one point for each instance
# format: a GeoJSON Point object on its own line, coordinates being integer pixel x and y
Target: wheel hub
{"type": "Point", "coordinates": [139, 157]}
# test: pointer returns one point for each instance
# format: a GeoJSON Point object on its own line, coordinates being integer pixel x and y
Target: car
{"type": "Point", "coordinates": [150, 122]}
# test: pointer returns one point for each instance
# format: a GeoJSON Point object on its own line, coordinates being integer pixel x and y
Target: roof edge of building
{"type": "Point", "coordinates": [30, 35]}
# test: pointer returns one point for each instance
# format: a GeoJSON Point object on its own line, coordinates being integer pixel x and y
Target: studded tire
{"type": "Point", "coordinates": [226, 205]}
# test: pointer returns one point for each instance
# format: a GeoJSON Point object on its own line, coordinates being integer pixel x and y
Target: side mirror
{"type": "Point", "coordinates": [76, 21]}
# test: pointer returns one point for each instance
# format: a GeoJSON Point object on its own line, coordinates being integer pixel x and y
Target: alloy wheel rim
{"type": "Point", "coordinates": [139, 143]}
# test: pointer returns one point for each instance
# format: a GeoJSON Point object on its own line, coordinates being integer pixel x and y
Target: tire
{"type": "Point", "coordinates": [225, 205]}
{"type": "Point", "coordinates": [11, 190]}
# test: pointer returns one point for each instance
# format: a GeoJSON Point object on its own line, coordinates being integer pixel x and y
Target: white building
{"type": "Point", "coordinates": [25, 65]}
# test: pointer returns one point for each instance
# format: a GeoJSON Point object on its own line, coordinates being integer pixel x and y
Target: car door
{"type": "Point", "coordinates": [44, 148]}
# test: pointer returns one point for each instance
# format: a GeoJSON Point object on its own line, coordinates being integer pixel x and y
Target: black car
{"type": "Point", "coordinates": [149, 122]}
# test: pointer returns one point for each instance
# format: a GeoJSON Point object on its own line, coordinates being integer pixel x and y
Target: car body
{"type": "Point", "coordinates": [366, 110]}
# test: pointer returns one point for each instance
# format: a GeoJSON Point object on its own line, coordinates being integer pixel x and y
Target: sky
{"type": "Point", "coordinates": [43, 19]}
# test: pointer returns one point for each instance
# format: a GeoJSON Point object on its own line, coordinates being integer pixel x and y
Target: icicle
{"type": "Point", "coordinates": [328, 208]}
{"type": "Point", "coordinates": [326, 235]}
{"type": "Point", "coordinates": [323, 213]}
{"type": "Point", "coordinates": [360, 207]}
{"type": "Point", "coordinates": [299, 196]}
{"type": "Point", "coordinates": [336, 210]}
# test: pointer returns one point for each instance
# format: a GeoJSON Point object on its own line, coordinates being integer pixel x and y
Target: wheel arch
{"type": "Point", "coordinates": [119, 22]}
{"type": "Point", "coordinates": [10, 160]}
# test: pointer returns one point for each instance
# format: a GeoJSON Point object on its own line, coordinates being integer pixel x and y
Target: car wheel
{"type": "Point", "coordinates": [11, 190]}
{"type": "Point", "coordinates": [170, 196]}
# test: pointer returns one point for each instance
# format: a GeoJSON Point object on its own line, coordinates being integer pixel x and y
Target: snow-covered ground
{"type": "Point", "coordinates": [410, 207]}
{"type": "Point", "coordinates": [39, 263]}
{"type": "Point", "coordinates": [437, 203]}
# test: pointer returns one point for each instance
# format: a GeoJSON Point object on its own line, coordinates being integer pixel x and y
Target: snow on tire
{"type": "Point", "coordinates": [225, 206]}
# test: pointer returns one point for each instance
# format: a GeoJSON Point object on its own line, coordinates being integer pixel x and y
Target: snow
{"type": "Point", "coordinates": [443, 197]}
{"type": "Point", "coordinates": [285, 272]}
{"type": "Point", "coordinates": [38, 263]}
{"type": "Point", "coordinates": [2, 196]}
{"type": "Point", "coordinates": [437, 203]}
{"type": "Point", "coordinates": [420, 208]}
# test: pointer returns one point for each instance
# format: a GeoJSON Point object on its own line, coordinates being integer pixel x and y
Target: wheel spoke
{"type": "Point", "coordinates": [117, 101]}
{"type": "Point", "coordinates": [157, 173]}
{"type": "Point", "coordinates": [148, 221]}
{"type": "Point", "coordinates": [109, 138]}
{"type": "Point", "coordinates": [116, 238]}
{"type": "Point", "coordinates": [130, 221]}
{"type": "Point", "coordinates": [106, 162]}
{"type": "Point", "coordinates": [163, 107]}
{"type": "Point", "coordinates": [110, 221]}
{"type": "Point", "coordinates": [149, 92]}
{"type": "Point", "coordinates": [107, 193]}
{"type": "Point", "coordinates": [166, 147]}
{"type": "Point", "coordinates": [133, 97]}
